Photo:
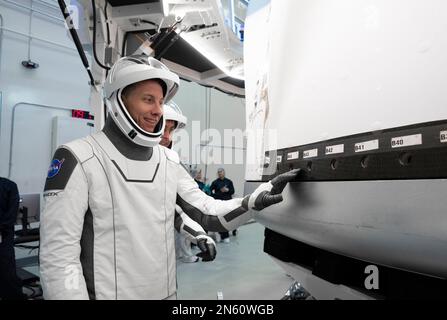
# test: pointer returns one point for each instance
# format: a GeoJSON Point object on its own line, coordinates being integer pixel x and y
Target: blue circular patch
{"type": "Point", "coordinates": [55, 167]}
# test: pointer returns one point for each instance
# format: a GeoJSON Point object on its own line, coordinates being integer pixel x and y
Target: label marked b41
{"type": "Point", "coordinates": [366, 146]}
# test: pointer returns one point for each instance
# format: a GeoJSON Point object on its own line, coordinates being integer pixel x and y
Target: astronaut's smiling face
{"type": "Point", "coordinates": [144, 101]}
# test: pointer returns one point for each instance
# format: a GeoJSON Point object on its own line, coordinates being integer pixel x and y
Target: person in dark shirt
{"type": "Point", "coordinates": [222, 189]}
{"type": "Point", "coordinates": [10, 287]}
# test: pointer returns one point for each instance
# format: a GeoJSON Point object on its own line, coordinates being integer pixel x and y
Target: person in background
{"type": "Point", "coordinates": [207, 187]}
{"type": "Point", "coordinates": [197, 175]}
{"type": "Point", "coordinates": [222, 189]}
{"type": "Point", "coordinates": [10, 286]}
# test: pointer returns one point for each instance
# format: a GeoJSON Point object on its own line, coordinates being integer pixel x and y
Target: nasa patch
{"type": "Point", "coordinates": [55, 167]}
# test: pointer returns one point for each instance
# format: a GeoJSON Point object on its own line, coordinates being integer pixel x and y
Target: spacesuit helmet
{"type": "Point", "coordinates": [130, 70]}
{"type": "Point", "coordinates": [172, 111]}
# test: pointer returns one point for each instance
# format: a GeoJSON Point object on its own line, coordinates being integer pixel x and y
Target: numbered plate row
{"type": "Point", "coordinates": [424, 138]}
{"type": "Point", "coordinates": [416, 151]}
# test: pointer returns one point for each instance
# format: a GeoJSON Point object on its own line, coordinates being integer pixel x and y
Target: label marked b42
{"type": "Point", "coordinates": [339, 148]}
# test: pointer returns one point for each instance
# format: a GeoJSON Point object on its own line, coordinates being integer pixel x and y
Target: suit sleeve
{"type": "Point", "coordinates": [211, 214]}
{"type": "Point", "coordinates": [62, 219]}
{"type": "Point", "coordinates": [186, 226]}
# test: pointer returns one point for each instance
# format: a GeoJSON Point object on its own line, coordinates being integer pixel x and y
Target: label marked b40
{"type": "Point", "coordinates": [406, 141]}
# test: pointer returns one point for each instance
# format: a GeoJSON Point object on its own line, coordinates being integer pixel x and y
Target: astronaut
{"type": "Point", "coordinates": [107, 227]}
{"type": "Point", "coordinates": [189, 231]}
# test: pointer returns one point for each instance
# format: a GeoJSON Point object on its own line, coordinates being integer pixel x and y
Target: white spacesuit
{"type": "Point", "coordinates": [189, 231]}
{"type": "Point", "coordinates": [107, 228]}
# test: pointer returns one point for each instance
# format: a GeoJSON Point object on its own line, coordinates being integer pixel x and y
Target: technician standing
{"type": "Point", "coordinates": [222, 189]}
{"type": "Point", "coordinates": [10, 287]}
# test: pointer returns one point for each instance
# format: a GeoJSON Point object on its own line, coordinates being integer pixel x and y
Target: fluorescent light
{"type": "Point", "coordinates": [165, 7]}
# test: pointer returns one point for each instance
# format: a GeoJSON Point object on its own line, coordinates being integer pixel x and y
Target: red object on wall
{"type": "Point", "coordinates": [76, 113]}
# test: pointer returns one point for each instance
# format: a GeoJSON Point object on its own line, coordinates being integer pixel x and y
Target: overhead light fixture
{"type": "Point", "coordinates": [30, 64]}
{"type": "Point", "coordinates": [228, 64]}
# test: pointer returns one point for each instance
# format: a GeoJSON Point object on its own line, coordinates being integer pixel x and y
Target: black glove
{"type": "Point", "coordinates": [270, 192]}
{"type": "Point", "coordinates": [207, 246]}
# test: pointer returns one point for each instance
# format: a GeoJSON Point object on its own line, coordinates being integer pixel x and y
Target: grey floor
{"type": "Point", "coordinates": [241, 270]}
